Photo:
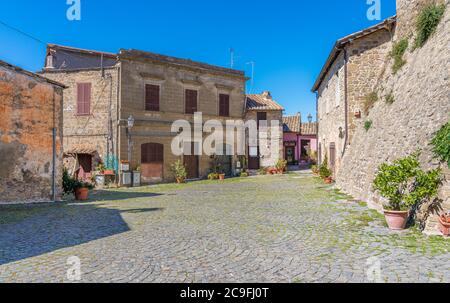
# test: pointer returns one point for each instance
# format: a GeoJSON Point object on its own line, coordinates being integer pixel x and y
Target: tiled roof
{"type": "Point", "coordinates": [337, 48]}
{"type": "Point", "coordinates": [292, 124]}
{"type": "Point", "coordinates": [30, 74]}
{"type": "Point", "coordinates": [262, 102]}
{"type": "Point", "coordinates": [309, 129]}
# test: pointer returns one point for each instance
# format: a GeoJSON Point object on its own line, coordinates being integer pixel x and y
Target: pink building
{"type": "Point", "coordinates": [300, 140]}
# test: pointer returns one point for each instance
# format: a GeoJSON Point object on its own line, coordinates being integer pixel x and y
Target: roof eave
{"type": "Point", "coordinates": [341, 43]}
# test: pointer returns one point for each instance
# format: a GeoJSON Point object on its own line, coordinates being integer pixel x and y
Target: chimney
{"type": "Point", "coordinates": [50, 64]}
{"type": "Point", "coordinates": [266, 94]}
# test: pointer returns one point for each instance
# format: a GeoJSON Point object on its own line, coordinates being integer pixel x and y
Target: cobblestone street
{"type": "Point", "coordinates": [288, 228]}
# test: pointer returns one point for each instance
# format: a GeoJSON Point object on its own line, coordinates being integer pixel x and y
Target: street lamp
{"type": "Point", "coordinates": [310, 117]}
{"type": "Point", "coordinates": [130, 125]}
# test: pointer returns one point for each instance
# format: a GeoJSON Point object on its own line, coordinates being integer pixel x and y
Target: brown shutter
{"type": "Point", "coordinates": [84, 98]}
{"type": "Point", "coordinates": [151, 97]}
{"type": "Point", "coordinates": [191, 101]}
{"type": "Point", "coordinates": [224, 105]}
{"type": "Point", "coordinates": [152, 153]}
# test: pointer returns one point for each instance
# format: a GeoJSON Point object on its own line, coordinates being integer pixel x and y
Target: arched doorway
{"type": "Point", "coordinates": [152, 162]}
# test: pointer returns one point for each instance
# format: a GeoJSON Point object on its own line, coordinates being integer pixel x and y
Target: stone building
{"type": "Point", "coordinates": [30, 136]}
{"type": "Point", "coordinates": [419, 106]}
{"type": "Point", "coordinates": [259, 108]}
{"type": "Point", "coordinates": [90, 106]}
{"type": "Point", "coordinates": [348, 77]}
{"type": "Point", "coordinates": [300, 140]}
{"type": "Point", "coordinates": [105, 90]}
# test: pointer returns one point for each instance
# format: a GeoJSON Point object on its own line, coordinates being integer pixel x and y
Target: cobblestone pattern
{"type": "Point", "coordinates": [262, 229]}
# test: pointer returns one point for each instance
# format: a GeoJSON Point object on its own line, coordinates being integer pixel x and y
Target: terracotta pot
{"type": "Point", "coordinates": [328, 180]}
{"type": "Point", "coordinates": [222, 177]}
{"type": "Point", "coordinates": [396, 220]}
{"type": "Point", "coordinates": [280, 171]}
{"type": "Point", "coordinates": [82, 194]}
{"type": "Point", "coordinates": [109, 173]}
{"type": "Point", "coordinates": [180, 180]}
{"type": "Point", "coordinates": [444, 225]}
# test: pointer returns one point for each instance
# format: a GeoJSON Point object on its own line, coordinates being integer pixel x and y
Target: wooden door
{"type": "Point", "coordinates": [191, 162]}
{"type": "Point", "coordinates": [253, 161]}
{"type": "Point", "coordinates": [152, 162]}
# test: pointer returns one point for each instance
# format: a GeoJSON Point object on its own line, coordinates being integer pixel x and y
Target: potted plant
{"type": "Point", "coordinates": [444, 224]}
{"type": "Point", "coordinates": [315, 169]}
{"type": "Point", "coordinates": [324, 172]}
{"type": "Point", "coordinates": [244, 174]}
{"type": "Point", "coordinates": [272, 171]}
{"type": "Point", "coordinates": [281, 166]}
{"type": "Point", "coordinates": [405, 185]}
{"type": "Point", "coordinates": [82, 190]}
{"type": "Point", "coordinates": [221, 176]}
{"type": "Point", "coordinates": [179, 170]}
{"type": "Point", "coordinates": [213, 176]}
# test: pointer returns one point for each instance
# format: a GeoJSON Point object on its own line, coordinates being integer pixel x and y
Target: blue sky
{"type": "Point", "coordinates": [289, 41]}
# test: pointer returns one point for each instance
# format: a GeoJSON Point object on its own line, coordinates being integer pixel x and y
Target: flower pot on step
{"type": "Point", "coordinates": [396, 220]}
{"type": "Point", "coordinates": [82, 194]}
{"type": "Point", "coordinates": [180, 180]}
{"type": "Point", "coordinates": [328, 180]}
{"type": "Point", "coordinates": [221, 177]}
{"type": "Point", "coordinates": [444, 225]}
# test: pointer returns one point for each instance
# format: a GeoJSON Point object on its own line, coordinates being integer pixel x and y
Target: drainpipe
{"type": "Point", "coordinates": [54, 152]}
{"type": "Point", "coordinates": [346, 99]}
{"type": "Point", "coordinates": [318, 125]}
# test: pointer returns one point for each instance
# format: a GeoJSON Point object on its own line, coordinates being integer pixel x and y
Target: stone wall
{"type": "Point", "coordinates": [422, 105]}
{"type": "Point", "coordinates": [366, 60]}
{"type": "Point", "coordinates": [29, 110]}
{"type": "Point", "coordinates": [91, 131]}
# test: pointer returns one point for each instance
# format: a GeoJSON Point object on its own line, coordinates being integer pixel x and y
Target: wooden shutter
{"type": "Point", "coordinates": [191, 101]}
{"type": "Point", "coordinates": [152, 153]}
{"type": "Point", "coordinates": [151, 97]}
{"type": "Point", "coordinates": [224, 105]}
{"type": "Point", "coordinates": [83, 99]}
{"type": "Point", "coordinates": [332, 154]}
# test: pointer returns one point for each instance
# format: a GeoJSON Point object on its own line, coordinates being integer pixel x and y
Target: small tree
{"type": "Point", "coordinates": [179, 170]}
{"type": "Point", "coordinates": [324, 171]}
{"type": "Point", "coordinates": [405, 184]}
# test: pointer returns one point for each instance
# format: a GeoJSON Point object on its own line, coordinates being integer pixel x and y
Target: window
{"type": "Point", "coordinates": [191, 101]}
{"type": "Point", "coordinates": [152, 97]}
{"type": "Point", "coordinates": [261, 117]}
{"type": "Point", "coordinates": [83, 99]}
{"type": "Point", "coordinates": [224, 105]}
{"type": "Point", "coordinates": [338, 89]}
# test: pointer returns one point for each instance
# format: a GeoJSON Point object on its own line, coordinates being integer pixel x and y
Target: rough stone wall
{"type": "Point", "coordinates": [271, 161]}
{"type": "Point", "coordinates": [407, 12]}
{"type": "Point", "coordinates": [155, 127]}
{"type": "Point", "coordinates": [366, 60]}
{"type": "Point", "coordinates": [422, 105]}
{"type": "Point", "coordinates": [29, 109]}
{"type": "Point", "coordinates": [89, 131]}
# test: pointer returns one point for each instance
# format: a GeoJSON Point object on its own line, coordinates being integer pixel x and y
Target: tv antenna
{"type": "Point", "coordinates": [252, 63]}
